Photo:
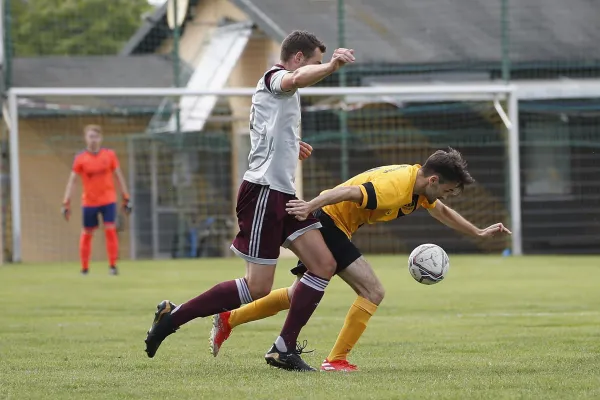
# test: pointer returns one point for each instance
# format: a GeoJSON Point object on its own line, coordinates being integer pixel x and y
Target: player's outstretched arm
{"type": "Point", "coordinates": [301, 209]}
{"type": "Point", "coordinates": [454, 220]}
{"type": "Point", "coordinates": [66, 204]}
{"type": "Point", "coordinates": [311, 74]}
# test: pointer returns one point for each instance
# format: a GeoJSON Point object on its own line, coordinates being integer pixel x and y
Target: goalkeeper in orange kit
{"type": "Point", "coordinates": [95, 166]}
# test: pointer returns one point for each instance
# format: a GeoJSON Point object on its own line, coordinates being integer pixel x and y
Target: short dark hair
{"type": "Point", "coordinates": [303, 41]}
{"type": "Point", "coordinates": [450, 166]}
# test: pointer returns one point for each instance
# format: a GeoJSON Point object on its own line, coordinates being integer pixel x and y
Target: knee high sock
{"type": "Point", "coordinates": [85, 248]}
{"type": "Point", "coordinates": [306, 298]}
{"type": "Point", "coordinates": [112, 245]}
{"type": "Point", "coordinates": [225, 296]}
{"type": "Point", "coordinates": [356, 322]}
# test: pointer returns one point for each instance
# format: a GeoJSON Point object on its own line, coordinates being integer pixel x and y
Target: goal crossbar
{"type": "Point", "coordinates": [463, 89]}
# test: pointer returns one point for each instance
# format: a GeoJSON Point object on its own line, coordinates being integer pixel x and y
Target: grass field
{"type": "Point", "coordinates": [496, 328]}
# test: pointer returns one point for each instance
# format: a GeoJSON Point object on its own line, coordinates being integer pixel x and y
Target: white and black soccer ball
{"type": "Point", "coordinates": [428, 264]}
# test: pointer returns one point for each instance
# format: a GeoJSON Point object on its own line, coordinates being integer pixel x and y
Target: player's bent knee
{"type": "Point", "coordinates": [376, 296]}
{"type": "Point", "coordinates": [374, 293]}
{"type": "Point", "coordinates": [315, 255]}
{"type": "Point", "coordinates": [325, 267]}
{"type": "Point", "coordinates": [259, 279]}
{"type": "Point", "coordinates": [330, 265]}
{"type": "Point", "coordinates": [258, 289]}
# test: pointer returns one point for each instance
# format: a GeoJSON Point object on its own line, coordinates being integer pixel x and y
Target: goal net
{"type": "Point", "coordinates": [184, 154]}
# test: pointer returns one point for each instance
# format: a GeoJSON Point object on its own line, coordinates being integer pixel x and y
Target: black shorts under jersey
{"type": "Point", "coordinates": [343, 250]}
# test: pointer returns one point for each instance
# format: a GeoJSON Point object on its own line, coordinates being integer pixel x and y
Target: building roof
{"type": "Point", "coordinates": [421, 32]}
{"type": "Point", "coordinates": [92, 71]}
{"type": "Point", "coordinates": [439, 31]}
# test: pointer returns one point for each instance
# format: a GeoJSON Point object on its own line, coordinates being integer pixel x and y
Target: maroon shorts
{"type": "Point", "coordinates": [265, 225]}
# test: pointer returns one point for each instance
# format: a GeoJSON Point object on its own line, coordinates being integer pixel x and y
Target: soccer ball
{"type": "Point", "coordinates": [428, 264]}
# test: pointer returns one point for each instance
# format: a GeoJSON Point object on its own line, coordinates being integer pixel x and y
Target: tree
{"type": "Point", "coordinates": [73, 27]}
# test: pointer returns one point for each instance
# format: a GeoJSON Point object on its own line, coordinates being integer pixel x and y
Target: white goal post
{"type": "Point", "coordinates": [496, 94]}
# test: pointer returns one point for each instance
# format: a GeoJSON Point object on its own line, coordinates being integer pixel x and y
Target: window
{"type": "Point", "coordinates": [547, 159]}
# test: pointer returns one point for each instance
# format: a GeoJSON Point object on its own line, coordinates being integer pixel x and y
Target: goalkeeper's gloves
{"type": "Point", "coordinates": [127, 206]}
{"type": "Point", "coordinates": [66, 209]}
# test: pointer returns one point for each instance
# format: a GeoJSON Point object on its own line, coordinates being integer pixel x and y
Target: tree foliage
{"type": "Point", "coordinates": [73, 27]}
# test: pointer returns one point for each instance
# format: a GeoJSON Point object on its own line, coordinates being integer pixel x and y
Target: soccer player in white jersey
{"type": "Point", "coordinates": [261, 207]}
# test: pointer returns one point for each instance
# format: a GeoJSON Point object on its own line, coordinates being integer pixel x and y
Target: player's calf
{"type": "Point", "coordinates": [112, 244]}
{"type": "Point", "coordinates": [362, 279]}
{"type": "Point", "coordinates": [85, 248]}
{"type": "Point", "coordinates": [311, 249]}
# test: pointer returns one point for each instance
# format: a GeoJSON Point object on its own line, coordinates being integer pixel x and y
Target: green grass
{"type": "Point", "coordinates": [496, 328]}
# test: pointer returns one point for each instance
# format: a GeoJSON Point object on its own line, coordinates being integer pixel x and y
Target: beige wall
{"type": "Point", "coordinates": [207, 15]}
{"type": "Point", "coordinates": [257, 57]}
{"type": "Point", "coordinates": [47, 147]}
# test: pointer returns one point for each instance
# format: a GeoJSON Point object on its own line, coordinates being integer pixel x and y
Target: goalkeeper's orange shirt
{"type": "Point", "coordinates": [387, 195]}
{"type": "Point", "coordinates": [96, 172]}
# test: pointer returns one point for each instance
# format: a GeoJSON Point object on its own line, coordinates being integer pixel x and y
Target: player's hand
{"type": "Point", "coordinates": [298, 208]}
{"type": "Point", "coordinates": [342, 57]}
{"type": "Point", "coordinates": [127, 206]}
{"type": "Point", "coordinates": [305, 151]}
{"type": "Point", "coordinates": [66, 210]}
{"type": "Point", "coordinates": [493, 230]}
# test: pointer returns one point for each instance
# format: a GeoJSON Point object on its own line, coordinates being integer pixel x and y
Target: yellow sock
{"type": "Point", "coordinates": [354, 326]}
{"type": "Point", "coordinates": [269, 305]}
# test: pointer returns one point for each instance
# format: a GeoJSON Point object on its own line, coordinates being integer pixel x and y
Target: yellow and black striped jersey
{"type": "Point", "coordinates": [387, 194]}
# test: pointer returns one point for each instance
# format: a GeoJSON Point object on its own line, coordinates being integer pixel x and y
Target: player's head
{"type": "Point", "coordinates": [301, 48]}
{"type": "Point", "coordinates": [446, 174]}
{"type": "Point", "coordinates": [93, 137]}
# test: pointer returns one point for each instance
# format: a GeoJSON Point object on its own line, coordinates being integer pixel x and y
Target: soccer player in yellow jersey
{"type": "Point", "coordinates": [378, 195]}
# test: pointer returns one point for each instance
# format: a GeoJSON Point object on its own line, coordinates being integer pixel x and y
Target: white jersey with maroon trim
{"type": "Point", "coordinates": [274, 133]}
